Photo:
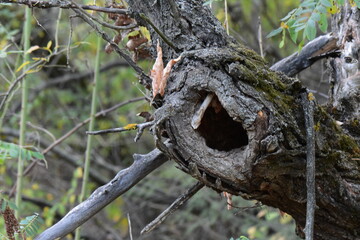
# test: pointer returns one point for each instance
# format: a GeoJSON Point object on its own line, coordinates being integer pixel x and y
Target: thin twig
{"type": "Point", "coordinates": [145, 79]}
{"type": "Point", "coordinates": [69, 133]}
{"type": "Point", "coordinates": [101, 113]}
{"type": "Point", "coordinates": [65, 5]}
{"type": "Point", "coordinates": [161, 34]}
{"type": "Point", "coordinates": [18, 80]}
{"type": "Point", "coordinates": [174, 206]}
{"type": "Point", "coordinates": [130, 230]}
{"type": "Point", "coordinates": [130, 26]}
{"type": "Point", "coordinates": [308, 104]}
{"type": "Point", "coordinates": [260, 39]}
{"type": "Point", "coordinates": [140, 127]}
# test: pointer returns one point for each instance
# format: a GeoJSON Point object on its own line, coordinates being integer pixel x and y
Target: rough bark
{"type": "Point", "coordinates": [345, 70]}
{"type": "Point", "coordinates": [251, 141]}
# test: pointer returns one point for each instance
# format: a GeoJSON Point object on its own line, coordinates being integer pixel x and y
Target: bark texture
{"type": "Point", "coordinates": [251, 140]}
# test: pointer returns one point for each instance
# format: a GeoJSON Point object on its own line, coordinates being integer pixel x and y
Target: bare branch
{"type": "Point", "coordinates": [18, 80]}
{"type": "Point", "coordinates": [297, 62]}
{"type": "Point", "coordinates": [140, 127]}
{"type": "Point", "coordinates": [65, 5]}
{"type": "Point", "coordinates": [101, 197]}
{"type": "Point", "coordinates": [145, 80]}
{"type": "Point", "coordinates": [309, 105]}
{"type": "Point", "coordinates": [173, 207]}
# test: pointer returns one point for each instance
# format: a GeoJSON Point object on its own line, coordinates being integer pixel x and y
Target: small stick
{"type": "Point", "coordinates": [174, 206]}
{"type": "Point", "coordinates": [139, 126]}
{"type": "Point", "coordinates": [308, 104]}
{"type": "Point", "coordinates": [260, 39]}
{"type": "Point", "coordinates": [65, 5]}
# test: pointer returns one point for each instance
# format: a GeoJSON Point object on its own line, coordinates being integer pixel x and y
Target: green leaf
{"type": "Point", "coordinates": [308, 4]}
{"type": "Point", "coordinates": [301, 27]}
{"type": "Point", "coordinates": [321, 9]}
{"type": "Point", "coordinates": [326, 3]}
{"type": "Point", "coordinates": [357, 2]}
{"type": "Point", "coordinates": [282, 43]}
{"type": "Point", "coordinates": [323, 24]}
{"type": "Point", "coordinates": [293, 34]}
{"type": "Point", "coordinates": [288, 15]}
{"type": "Point", "coordinates": [315, 16]}
{"type": "Point", "coordinates": [310, 30]}
{"type": "Point", "coordinates": [37, 155]}
{"type": "Point", "coordinates": [274, 32]}
{"type": "Point", "coordinates": [3, 205]}
{"type": "Point", "coordinates": [340, 2]}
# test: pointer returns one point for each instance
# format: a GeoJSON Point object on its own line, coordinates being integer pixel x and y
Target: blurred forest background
{"type": "Point", "coordinates": [60, 95]}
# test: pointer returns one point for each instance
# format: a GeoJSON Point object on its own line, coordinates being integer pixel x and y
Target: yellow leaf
{"type": "Point", "coordinates": [35, 186]}
{"type": "Point", "coordinates": [284, 25]}
{"type": "Point", "coordinates": [33, 48]}
{"type": "Point", "coordinates": [48, 46]}
{"type": "Point", "coordinates": [334, 9]}
{"type": "Point", "coordinates": [131, 126]}
{"type": "Point", "coordinates": [78, 172]}
{"type": "Point", "coordinates": [22, 65]}
{"type": "Point", "coordinates": [72, 199]}
{"type": "Point", "coordinates": [311, 97]}
{"type": "Point", "coordinates": [37, 59]}
{"type": "Point", "coordinates": [33, 70]}
{"type": "Point", "coordinates": [145, 32]}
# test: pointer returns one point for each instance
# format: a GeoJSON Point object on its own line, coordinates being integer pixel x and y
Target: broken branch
{"type": "Point", "coordinates": [101, 197]}
{"type": "Point", "coordinates": [173, 207]}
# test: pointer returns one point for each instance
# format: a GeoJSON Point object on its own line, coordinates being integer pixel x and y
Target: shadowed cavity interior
{"type": "Point", "coordinates": [219, 130]}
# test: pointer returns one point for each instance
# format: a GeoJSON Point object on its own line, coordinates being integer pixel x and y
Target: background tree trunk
{"type": "Point", "coordinates": [251, 140]}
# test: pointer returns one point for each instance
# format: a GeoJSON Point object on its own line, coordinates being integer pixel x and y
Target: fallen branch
{"type": "Point", "coordinates": [311, 52]}
{"type": "Point", "coordinates": [101, 197]}
{"type": "Point", "coordinates": [173, 207]}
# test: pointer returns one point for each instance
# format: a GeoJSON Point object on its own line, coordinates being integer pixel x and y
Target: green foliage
{"type": "Point", "coordinates": [240, 238]}
{"type": "Point", "coordinates": [10, 150]}
{"type": "Point", "coordinates": [30, 225]}
{"type": "Point", "coordinates": [306, 17]}
{"type": "Point", "coordinates": [5, 203]}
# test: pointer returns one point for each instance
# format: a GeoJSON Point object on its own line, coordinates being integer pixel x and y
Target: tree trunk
{"type": "Point", "coordinates": [251, 139]}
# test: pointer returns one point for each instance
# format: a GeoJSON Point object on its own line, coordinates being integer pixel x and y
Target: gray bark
{"type": "Point", "coordinates": [251, 141]}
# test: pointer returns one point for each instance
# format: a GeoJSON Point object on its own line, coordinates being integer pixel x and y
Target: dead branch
{"type": "Point", "coordinates": [145, 80]}
{"type": "Point", "coordinates": [173, 207]}
{"type": "Point", "coordinates": [297, 62]}
{"type": "Point", "coordinates": [309, 105]}
{"type": "Point", "coordinates": [64, 5]}
{"type": "Point", "coordinates": [101, 197]}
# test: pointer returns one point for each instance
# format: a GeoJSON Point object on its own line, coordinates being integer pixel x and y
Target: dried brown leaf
{"type": "Point", "coordinates": [157, 71]}
{"type": "Point", "coordinates": [159, 75]}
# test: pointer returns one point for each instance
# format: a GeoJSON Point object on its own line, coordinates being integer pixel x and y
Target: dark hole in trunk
{"type": "Point", "coordinates": [220, 131]}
